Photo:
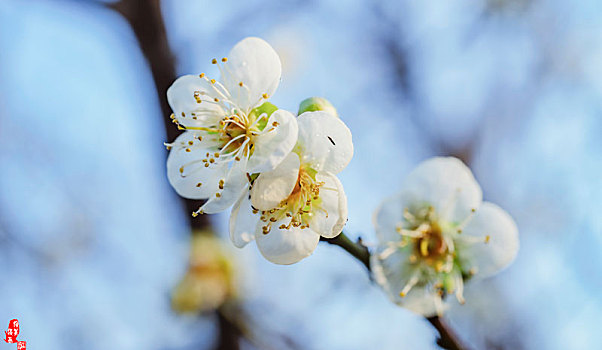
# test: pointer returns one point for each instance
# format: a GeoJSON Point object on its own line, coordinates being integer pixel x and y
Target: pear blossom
{"type": "Point", "coordinates": [289, 208]}
{"type": "Point", "coordinates": [230, 128]}
{"type": "Point", "coordinates": [437, 234]}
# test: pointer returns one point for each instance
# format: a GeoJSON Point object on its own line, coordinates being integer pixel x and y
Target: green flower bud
{"type": "Point", "coordinates": [317, 104]}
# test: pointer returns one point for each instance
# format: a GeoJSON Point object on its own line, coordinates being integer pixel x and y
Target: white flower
{"type": "Point", "coordinates": [436, 234]}
{"type": "Point", "coordinates": [290, 207]}
{"type": "Point", "coordinates": [227, 134]}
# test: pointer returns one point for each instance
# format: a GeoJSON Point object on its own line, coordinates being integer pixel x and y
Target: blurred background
{"type": "Point", "coordinates": [94, 242]}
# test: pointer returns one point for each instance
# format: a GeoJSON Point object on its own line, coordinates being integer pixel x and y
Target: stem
{"type": "Point", "coordinates": [357, 250]}
{"type": "Point", "coordinates": [447, 337]}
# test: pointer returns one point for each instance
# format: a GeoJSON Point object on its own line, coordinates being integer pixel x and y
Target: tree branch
{"type": "Point", "coordinates": [146, 20]}
{"type": "Point", "coordinates": [447, 337]}
{"type": "Point", "coordinates": [357, 250]}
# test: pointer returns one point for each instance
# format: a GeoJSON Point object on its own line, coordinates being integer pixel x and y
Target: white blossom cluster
{"type": "Point", "coordinates": [278, 170]}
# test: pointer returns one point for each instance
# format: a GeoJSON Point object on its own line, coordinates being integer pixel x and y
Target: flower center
{"type": "Point", "coordinates": [432, 251]}
{"type": "Point", "coordinates": [430, 245]}
{"type": "Point", "coordinates": [298, 206]}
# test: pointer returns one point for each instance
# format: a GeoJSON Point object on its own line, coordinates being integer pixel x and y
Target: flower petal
{"type": "Point", "coordinates": [270, 148]}
{"type": "Point", "coordinates": [502, 246]}
{"type": "Point", "coordinates": [253, 62]}
{"type": "Point", "coordinates": [243, 221]}
{"type": "Point", "coordinates": [185, 171]}
{"type": "Point", "coordinates": [284, 247]}
{"type": "Point", "coordinates": [332, 217]}
{"type": "Point", "coordinates": [324, 141]}
{"type": "Point", "coordinates": [387, 217]}
{"type": "Point", "coordinates": [233, 186]}
{"type": "Point", "coordinates": [392, 274]}
{"type": "Point", "coordinates": [446, 184]}
{"type": "Point", "coordinates": [422, 301]}
{"type": "Point", "coordinates": [187, 110]}
{"type": "Point", "coordinates": [272, 187]}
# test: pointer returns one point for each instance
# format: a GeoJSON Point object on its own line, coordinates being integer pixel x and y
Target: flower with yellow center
{"type": "Point", "coordinates": [437, 234]}
{"type": "Point", "coordinates": [290, 207]}
{"type": "Point", "coordinates": [230, 128]}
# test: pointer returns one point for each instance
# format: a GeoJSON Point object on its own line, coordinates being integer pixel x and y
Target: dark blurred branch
{"type": "Point", "coordinates": [390, 38]}
{"type": "Point", "coordinates": [447, 337]}
{"type": "Point", "coordinates": [146, 20]}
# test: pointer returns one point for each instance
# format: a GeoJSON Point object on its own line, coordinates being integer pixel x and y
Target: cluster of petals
{"type": "Point", "coordinates": [290, 207]}
{"type": "Point", "coordinates": [436, 234]}
{"type": "Point", "coordinates": [278, 170]}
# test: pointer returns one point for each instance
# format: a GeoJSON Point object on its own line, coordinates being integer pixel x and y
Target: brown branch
{"type": "Point", "coordinates": [357, 250]}
{"type": "Point", "coordinates": [146, 20]}
{"type": "Point", "coordinates": [447, 337]}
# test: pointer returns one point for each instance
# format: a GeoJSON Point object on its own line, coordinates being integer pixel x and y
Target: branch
{"type": "Point", "coordinates": [146, 20]}
{"type": "Point", "coordinates": [447, 337]}
{"type": "Point", "coordinates": [357, 250]}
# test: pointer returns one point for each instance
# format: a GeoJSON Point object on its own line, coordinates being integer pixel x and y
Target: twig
{"type": "Point", "coordinates": [357, 250]}
{"type": "Point", "coordinates": [447, 337]}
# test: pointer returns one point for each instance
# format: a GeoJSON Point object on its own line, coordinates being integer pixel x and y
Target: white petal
{"type": "Point", "coordinates": [490, 220]}
{"type": "Point", "coordinates": [270, 148]}
{"type": "Point", "coordinates": [284, 247]}
{"type": "Point", "coordinates": [421, 300]}
{"type": "Point", "coordinates": [393, 273]}
{"type": "Point", "coordinates": [324, 141]}
{"type": "Point", "coordinates": [253, 62]}
{"type": "Point", "coordinates": [234, 184]}
{"type": "Point", "coordinates": [180, 96]}
{"type": "Point", "coordinates": [242, 221]}
{"type": "Point", "coordinates": [185, 169]}
{"type": "Point", "coordinates": [446, 184]}
{"type": "Point", "coordinates": [272, 187]}
{"type": "Point", "coordinates": [387, 217]}
{"type": "Point", "coordinates": [330, 221]}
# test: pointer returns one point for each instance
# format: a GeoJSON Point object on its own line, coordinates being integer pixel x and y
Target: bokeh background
{"type": "Point", "coordinates": [93, 239]}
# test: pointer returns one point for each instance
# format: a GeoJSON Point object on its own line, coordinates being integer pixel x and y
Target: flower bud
{"type": "Point", "coordinates": [209, 281]}
{"type": "Point", "coordinates": [317, 104]}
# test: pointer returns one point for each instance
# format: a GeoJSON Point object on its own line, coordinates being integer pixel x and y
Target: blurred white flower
{"type": "Point", "coordinates": [436, 234]}
{"type": "Point", "coordinates": [230, 129]}
{"type": "Point", "coordinates": [290, 207]}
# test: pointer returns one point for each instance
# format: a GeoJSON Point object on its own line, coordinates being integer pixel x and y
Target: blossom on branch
{"type": "Point", "coordinates": [290, 207]}
{"type": "Point", "coordinates": [230, 128]}
{"type": "Point", "coordinates": [437, 234]}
